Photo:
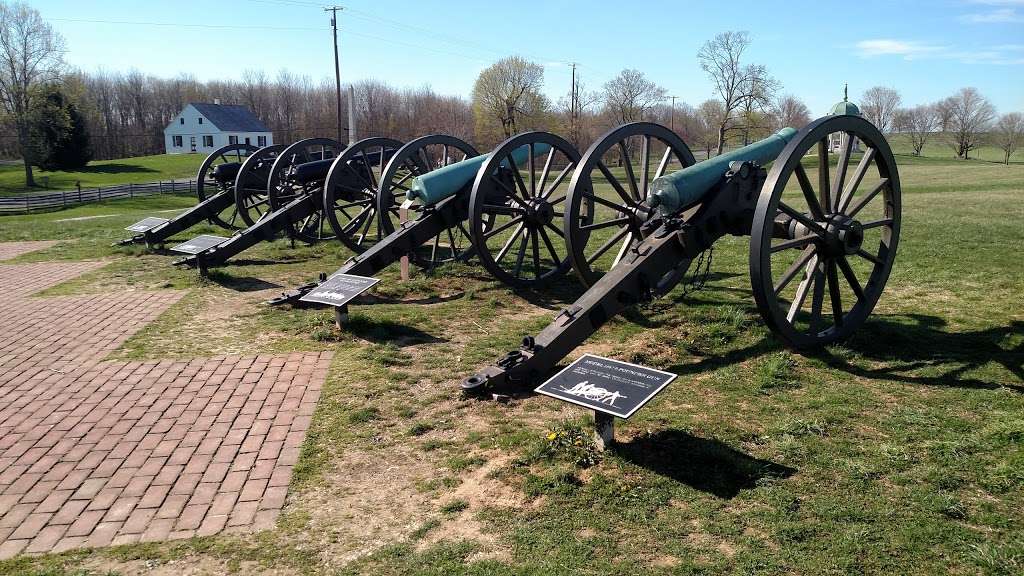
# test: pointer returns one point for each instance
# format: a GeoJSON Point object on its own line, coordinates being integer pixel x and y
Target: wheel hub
{"type": "Point", "coordinates": [539, 212]}
{"type": "Point", "coordinates": [843, 235]}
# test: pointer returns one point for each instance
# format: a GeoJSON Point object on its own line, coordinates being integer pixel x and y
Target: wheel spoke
{"type": "Point", "coordinates": [558, 179]}
{"type": "Point", "coordinates": [508, 243]}
{"type": "Point", "coordinates": [858, 175]}
{"type": "Point", "coordinates": [518, 177]}
{"type": "Point", "coordinates": [627, 165]}
{"type": "Point", "coordinates": [663, 165]}
{"type": "Point", "coordinates": [801, 290]}
{"type": "Point", "coordinates": [851, 277]}
{"type": "Point", "coordinates": [841, 167]}
{"type": "Point", "coordinates": [533, 171]}
{"type": "Point", "coordinates": [868, 197]}
{"type": "Point", "coordinates": [554, 229]}
{"type": "Point", "coordinates": [545, 172]}
{"type": "Point", "coordinates": [551, 247]}
{"type": "Point", "coordinates": [823, 187]}
{"type": "Point", "coordinates": [512, 193]}
{"type": "Point", "coordinates": [794, 243]}
{"type": "Point", "coordinates": [799, 217]}
{"type": "Point", "coordinates": [808, 190]}
{"type": "Point", "coordinates": [521, 255]}
{"type": "Point", "coordinates": [623, 249]}
{"type": "Point", "coordinates": [615, 183]}
{"type": "Point", "coordinates": [870, 257]}
{"type": "Point", "coordinates": [502, 209]}
{"type": "Point", "coordinates": [793, 269]}
{"type": "Point", "coordinates": [503, 227]}
{"type": "Point", "coordinates": [611, 242]}
{"type": "Point", "coordinates": [818, 299]}
{"type": "Point", "coordinates": [606, 224]}
{"type": "Point", "coordinates": [645, 167]}
{"type": "Point", "coordinates": [834, 295]}
{"type": "Point", "coordinates": [608, 203]}
{"type": "Point", "coordinates": [536, 253]}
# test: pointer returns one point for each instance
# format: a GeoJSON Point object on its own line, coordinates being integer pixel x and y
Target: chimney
{"type": "Point", "coordinates": [216, 101]}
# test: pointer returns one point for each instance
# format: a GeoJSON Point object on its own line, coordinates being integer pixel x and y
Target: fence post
{"type": "Point", "coordinates": [131, 190]}
{"type": "Point", "coordinates": [159, 186]}
{"type": "Point", "coordinates": [78, 184]}
{"type": "Point", "coordinates": [63, 198]}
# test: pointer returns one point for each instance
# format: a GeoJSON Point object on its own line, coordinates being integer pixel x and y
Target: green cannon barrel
{"type": "Point", "coordinates": [680, 189]}
{"type": "Point", "coordinates": [439, 184]}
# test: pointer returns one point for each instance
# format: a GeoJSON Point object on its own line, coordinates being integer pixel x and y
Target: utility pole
{"type": "Point", "coordinates": [672, 114]}
{"type": "Point", "coordinates": [337, 68]}
{"type": "Point", "coordinates": [574, 109]}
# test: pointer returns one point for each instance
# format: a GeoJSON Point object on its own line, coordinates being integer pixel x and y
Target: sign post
{"type": "Point", "coordinates": [611, 388]}
{"type": "Point", "coordinates": [337, 291]}
{"type": "Point", "coordinates": [403, 217]}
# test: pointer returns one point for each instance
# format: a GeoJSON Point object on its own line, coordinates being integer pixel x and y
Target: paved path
{"type": "Point", "coordinates": [10, 250]}
{"type": "Point", "coordinates": [96, 452]}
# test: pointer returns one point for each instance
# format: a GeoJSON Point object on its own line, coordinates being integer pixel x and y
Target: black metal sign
{"type": "Point", "coordinates": [606, 385]}
{"type": "Point", "coordinates": [339, 289]}
{"type": "Point", "coordinates": [147, 224]}
{"type": "Point", "coordinates": [199, 244]}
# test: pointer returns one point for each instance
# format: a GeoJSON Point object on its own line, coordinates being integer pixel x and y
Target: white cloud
{"type": "Point", "coordinates": [1001, 15]}
{"type": "Point", "coordinates": [884, 46]}
{"type": "Point", "coordinates": [1005, 54]}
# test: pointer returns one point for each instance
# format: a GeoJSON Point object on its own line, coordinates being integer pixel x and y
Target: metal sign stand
{"type": "Point", "coordinates": [604, 430]}
{"type": "Point", "coordinates": [341, 316]}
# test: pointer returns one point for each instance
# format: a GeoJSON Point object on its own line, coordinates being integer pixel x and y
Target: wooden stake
{"type": "Point", "coordinates": [604, 430]}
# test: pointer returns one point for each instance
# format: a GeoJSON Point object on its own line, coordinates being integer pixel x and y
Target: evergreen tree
{"type": "Point", "coordinates": [60, 137]}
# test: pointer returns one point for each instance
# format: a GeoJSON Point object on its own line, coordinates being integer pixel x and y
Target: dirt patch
{"type": "Point", "coordinates": [188, 566]}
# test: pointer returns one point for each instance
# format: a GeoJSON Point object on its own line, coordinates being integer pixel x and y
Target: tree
{"type": "Point", "coordinates": [1008, 133]}
{"type": "Point", "coordinates": [971, 114]}
{"type": "Point", "coordinates": [919, 123]}
{"type": "Point", "coordinates": [31, 54]}
{"type": "Point", "coordinates": [630, 95]}
{"type": "Point", "coordinates": [508, 91]}
{"type": "Point", "coordinates": [59, 136]}
{"type": "Point", "coordinates": [879, 105]}
{"type": "Point", "coordinates": [791, 111]}
{"type": "Point", "coordinates": [740, 87]}
{"type": "Point", "coordinates": [709, 119]}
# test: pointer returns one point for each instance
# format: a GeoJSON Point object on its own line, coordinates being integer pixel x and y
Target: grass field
{"type": "Point", "coordinates": [899, 452]}
{"type": "Point", "coordinates": [103, 173]}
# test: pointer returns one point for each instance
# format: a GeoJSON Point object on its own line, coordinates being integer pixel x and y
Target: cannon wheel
{"type": "Point", "coordinates": [251, 200]}
{"type": "Point", "coordinates": [207, 186]}
{"type": "Point", "coordinates": [350, 192]}
{"type": "Point", "coordinates": [605, 211]}
{"type": "Point", "coordinates": [281, 190]}
{"type": "Point", "coordinates": [420, 156]}
{"type": "Point", "coordinates": [833, 235]}
{"type": "Point", "coordinates": [516, 220]}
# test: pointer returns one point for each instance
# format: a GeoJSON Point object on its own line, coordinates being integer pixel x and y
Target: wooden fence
{"type": "Point", "coordinates": [64, 198]}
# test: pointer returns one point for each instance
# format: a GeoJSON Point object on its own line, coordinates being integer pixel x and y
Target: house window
{"type": "Point", "coordinates": [247, 141]}
{"type": "Point", "coordinates": [208, 141]}
{"type": "Point", "coordinates": [232, 139]}
{"type": "Point", "coordinates": [176, 141]}
{"type": "Point", "coordinates": [200, 120]}
{"type": "Point", "coordinates": [181, 120]}
{"type": "Point", "coordinates": [261, 141]}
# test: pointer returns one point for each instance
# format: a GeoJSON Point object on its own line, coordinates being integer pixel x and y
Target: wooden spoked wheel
{"type": "Point", "coordinates": [606, 207]}
{"type": "Point", "coordinates": [284, 187]}
{"type": "Point", "coordinates": [824, 237]}
{"type": "Point", "coordinates": [217, 174]}
{"type": "Point", "coordinates": [350, 192]}
{"type": "Point", "coordinates": [251, 200]}
{"type": "Point", "coordinates": [517, 208]}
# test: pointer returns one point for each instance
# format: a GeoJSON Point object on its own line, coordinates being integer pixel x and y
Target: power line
{"type": "Point", "coordinates": [184, 24]}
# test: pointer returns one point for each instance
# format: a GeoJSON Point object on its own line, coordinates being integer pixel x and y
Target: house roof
{"type": "Point", "coordinates": [230, 117]}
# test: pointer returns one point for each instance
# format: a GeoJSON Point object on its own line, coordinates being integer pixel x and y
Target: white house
{"type": "Point", "coordinates": [203, 127]}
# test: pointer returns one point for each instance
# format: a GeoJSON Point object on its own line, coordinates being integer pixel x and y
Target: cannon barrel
{"type": "Point", "coordinates": [683, 188]}
{"type": "Point", "coordinates": [432, 187]}
{"type": "Point", "coordinates": [225, 173]}
{"type": "Point", "coordinates": [310, 171]}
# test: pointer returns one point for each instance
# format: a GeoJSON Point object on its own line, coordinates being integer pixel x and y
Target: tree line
{"type": "Point", "coordinates": [57, 117]}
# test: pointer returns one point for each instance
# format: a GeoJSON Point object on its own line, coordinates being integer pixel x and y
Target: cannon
{"type": "Point", "coordinates": [834, 235]}
{"type": "Point", "coordinates": [215, 187]}
{"type": "Point", "coordinates": [251, 197]}
{"type": "Point", "coordinates": [462, 204]}
{"type": "Point", "coordinates": [293, 202]}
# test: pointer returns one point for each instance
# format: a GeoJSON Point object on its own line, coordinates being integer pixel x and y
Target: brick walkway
{"type": "Point", "coordinates": [97, 452]}
{"type": "Point", "coordinates": [9, 250]}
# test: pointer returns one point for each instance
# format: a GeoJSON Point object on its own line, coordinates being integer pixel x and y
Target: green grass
{"type": "Point", "coordinates": [900, 451]}
{"type": "Point", "coordinates": [103, 173]}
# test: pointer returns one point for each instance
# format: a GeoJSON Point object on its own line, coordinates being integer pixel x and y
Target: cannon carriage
{"type": "Point", "coordinates": [215, 189]}
{"type": "Point", "coordinates": [821, 249]}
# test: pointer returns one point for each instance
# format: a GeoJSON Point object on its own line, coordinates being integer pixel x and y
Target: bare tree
{"type": "Point", "coordinates": [740, 87]}
{"type": "Point", "coordinates": [944, 114]}
{"type": "Point", "coordinates": [879, 105]}
{"type": "Point", "coordinates": [630, 95]}
{"type": "Point", "coordinates": [791, 111]}
{"type": "Point", "coordinates": [508, 91]}
{"type": "Point", "coordinates": [709, 119]}
{"type": "Point", "coordinates": [31, 54]}
{"type": "Point", "coordinates": [970, 116]}
{"type": "Point", "coordinates": [919, 122]}
{"type": "Point", "coordinates": [1009, 131]}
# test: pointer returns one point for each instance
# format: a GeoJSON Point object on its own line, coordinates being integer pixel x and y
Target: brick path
{"type": "Point", "coordinates": [97, 452]}
{"type": "Point", "coordinates": [9, 250]}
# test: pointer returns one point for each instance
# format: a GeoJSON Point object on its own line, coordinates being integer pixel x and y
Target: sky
{"type": "Point", "coordinates": [925, 49]}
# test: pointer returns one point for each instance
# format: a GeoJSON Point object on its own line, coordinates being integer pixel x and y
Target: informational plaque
{"type": "Point", "coordinates": [147, 224]}
{"type": "Point", "coordinates": [338, 289]}
{"type": "Point", "coordinates": [199, 244]}
{"type": "Point", "coordinates": [606, 385]}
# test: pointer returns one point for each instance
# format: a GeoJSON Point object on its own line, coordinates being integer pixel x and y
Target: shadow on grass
{"type": "Point", "coordinates": [918, 343]}
{"type": "Point", "coordinates": [705, 464]}
{"type": "Point", "coordinates": [382, 331]}
{"type": "Point", "coordinates": [241, 283]}
{"type": "Point", "coordinates": [112, 168]}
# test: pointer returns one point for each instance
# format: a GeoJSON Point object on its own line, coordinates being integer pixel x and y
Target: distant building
{"type": "Point", "coordinates": [844, 108]}
{"type": "Point", "coordinates": [203, 127]}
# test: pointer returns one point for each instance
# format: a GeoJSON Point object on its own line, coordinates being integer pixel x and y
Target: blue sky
{"type": "Point", "coordinates": [925, 49]}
